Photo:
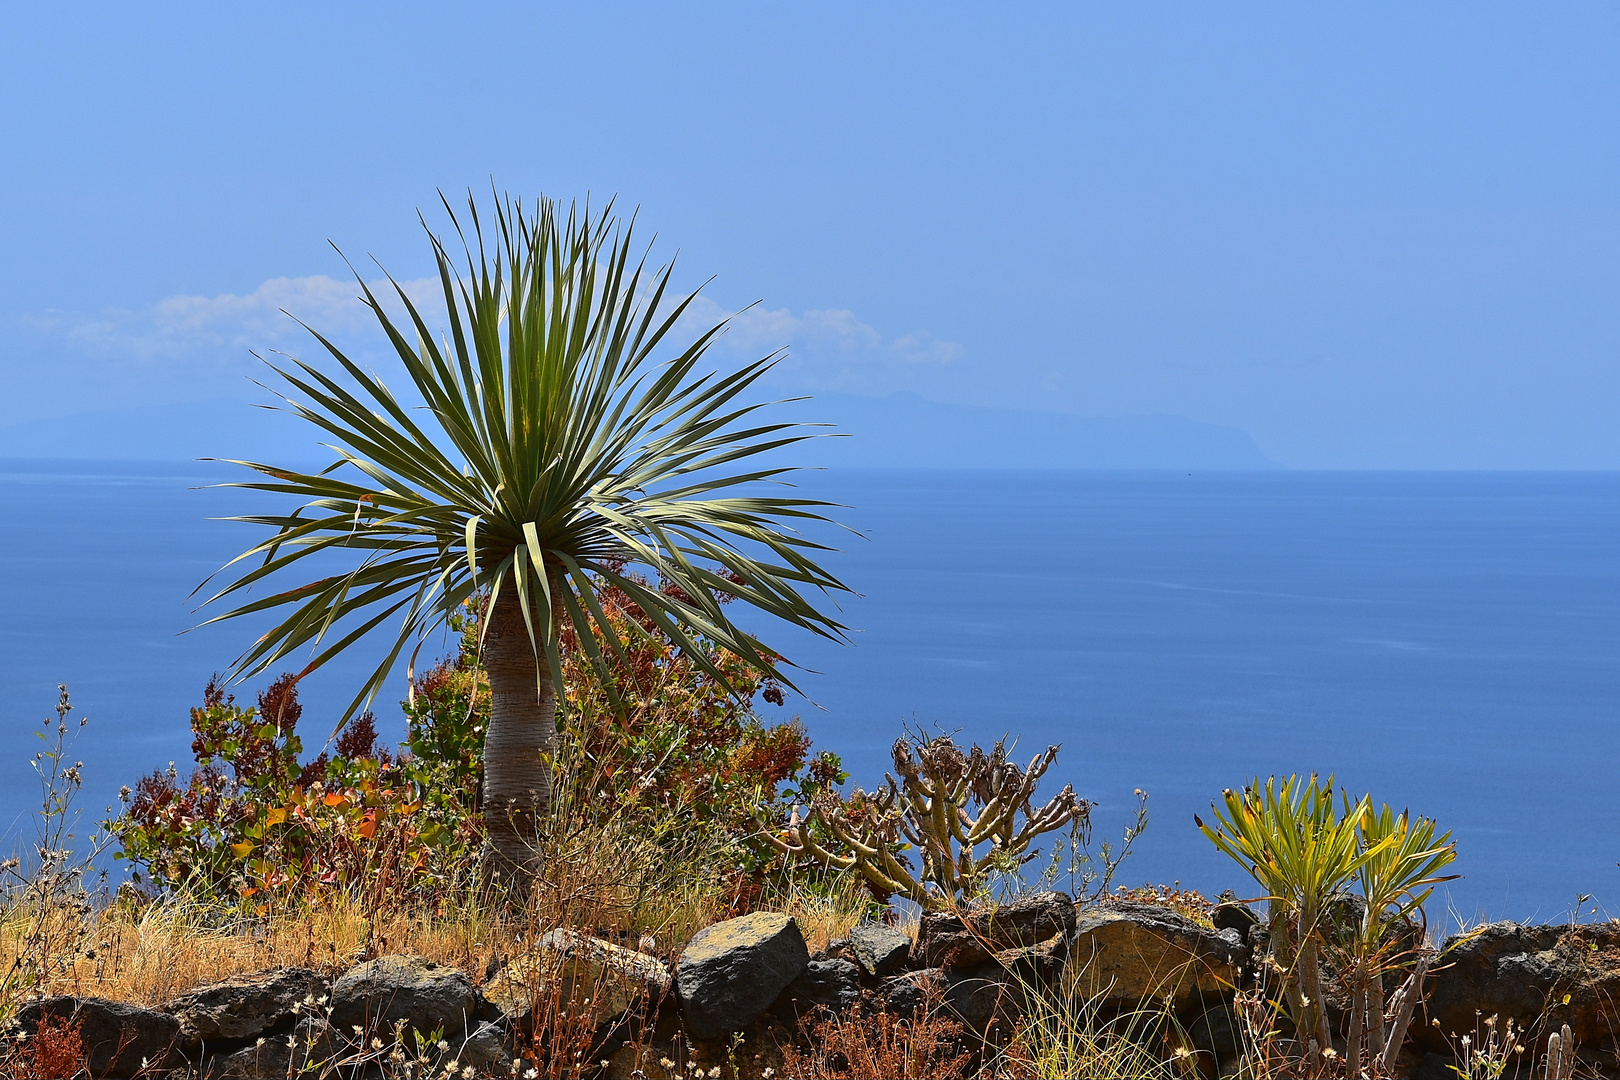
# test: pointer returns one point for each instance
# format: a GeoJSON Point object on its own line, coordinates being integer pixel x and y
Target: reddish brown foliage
{"type": "Point", "coordinates": [874, 1046]}
{"type": "Point", "coordinates": [359, 739]}
{"type": "Point", "coordinates": [252, 750]}
{"type": "Point", "coordinates": [278, 703]}
{"type": "Point", "coordinates": [158, 802]}
{"type": "Point", "coordinates": [58, 1049]}
{"type": "Point", "coordinates": [662, 685]}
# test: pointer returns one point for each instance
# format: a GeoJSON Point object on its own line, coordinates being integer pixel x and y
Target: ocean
{"type": "Point", "coordinates": [1448, 642]}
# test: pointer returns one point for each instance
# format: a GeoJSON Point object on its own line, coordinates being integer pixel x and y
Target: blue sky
{"type": "Point", "coordinates": [1370, 236]}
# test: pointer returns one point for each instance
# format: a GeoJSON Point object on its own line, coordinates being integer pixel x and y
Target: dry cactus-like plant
{"type": "Point", "coordinates": [945, 806]}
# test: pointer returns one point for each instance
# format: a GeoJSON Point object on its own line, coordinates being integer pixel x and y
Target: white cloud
{"type": "Point", "coordinates": [761, 329]}
{"type": "Point", "coordinates": [203, 338]}
{"type": "Point", "coordinates": [832, 334]}
{"type": "Point", "coordinates": [924, 348]}
{"type": "Point", "coordinates": [228, 325]}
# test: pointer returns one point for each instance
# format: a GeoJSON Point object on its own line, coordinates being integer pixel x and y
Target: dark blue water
{"type": "Point", "coordinates": [1449, 642]}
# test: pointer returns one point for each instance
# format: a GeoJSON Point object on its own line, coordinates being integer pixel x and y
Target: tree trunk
{"type": "Point", "coordinates": [1311, 983]}
{"type": "Point", "coordinates": [1286, 953]}
{"type": "Point", "coordinates": [1375, 1017]}
{"type": "Point", "coordinates": [1355, 979]}
{"type": "Point", "coordinates": [522, 728]}
{"type": "Point", "coordinates": [1408, 997]}
{"type": "Point", "coordinates": [1315, 1020]}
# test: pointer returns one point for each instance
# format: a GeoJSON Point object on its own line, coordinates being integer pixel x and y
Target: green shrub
{"type": "Point", "coordinates": [1307, 852]}
{"type": "Point", "coordinates": [253, 820]}
{"type": "Point", "coordinates": [686, 754]}
{"type": "Point", "coordinates": [682, 748]}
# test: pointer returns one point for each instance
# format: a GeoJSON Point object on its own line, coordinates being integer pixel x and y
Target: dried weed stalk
{"type": "Point", "coordinates": [868, 1045]}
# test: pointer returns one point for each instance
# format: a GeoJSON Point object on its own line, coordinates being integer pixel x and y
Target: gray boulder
{"type": "Point", "coordinates": [268, 1058]}
{"type": "Point", "coordinates": [487, 1050]}
{"type": "Point", "coordinates": [905, 993]}
{"type": "Point", "coordinates": [731, 972]}
{"type": "Point", "coordinates": [838, 949]}
{"type": "Point", "coordinates": [666, 1050]}
{"type": "Point", "coordinates": [426, 996]}
{"type": "Point", "coordinates": [1235, 916]}
{"type": "Point", "coordinates": [833, 985]}
{"type": "Point", "coordinates": [967, 939]}
{"type": "Point", "coordinates": [247, 1006]}
{"type": "Point", "coordinates": [881, 949]}
{"type": "Point", "coordinates": [1125, 953]}
{"type": "Point", "coordinates": [981, 996]}
{"type": "Point", "coordinates": [990, 997]}
{"type": "Point", "coordinates": [1217, 1035]}
{"type": "Point", "coordinates": [312, 1042]}
{"type": "Point", "coordinates": [118, 1039]}
{"type": "Point", "coordinates": [1437, 1067]}
{"type": "Point", "coordinates": [1524, 973]}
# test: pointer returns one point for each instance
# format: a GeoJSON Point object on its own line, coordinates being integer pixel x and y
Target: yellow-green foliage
{"type": "Point", "coordinates": [1304, 849]}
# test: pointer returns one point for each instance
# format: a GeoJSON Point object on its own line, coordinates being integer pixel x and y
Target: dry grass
{"type": "Point", "coordinates": [149, 954]}
{"type": "Point", "coordinates": [613, 879]}
{"type": "Point", "coordinates": [826, 915]}
{"type": "Point", "coordinates": [623, 881]}
{"type": "Point", "coordinates": [1057, 1046]}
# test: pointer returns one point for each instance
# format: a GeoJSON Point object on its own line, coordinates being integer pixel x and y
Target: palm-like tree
{"type": "Point", "coordinates": [554, 451]}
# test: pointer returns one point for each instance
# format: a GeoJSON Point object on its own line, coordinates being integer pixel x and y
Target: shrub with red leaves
{"type": "Point", "coordinates": [655, 735]}
{"type": "Point", "coordinates": [252, 818]}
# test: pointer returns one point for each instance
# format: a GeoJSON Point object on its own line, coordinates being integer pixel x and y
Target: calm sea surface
{"type": "Point", "coordinates": [1447, 641]}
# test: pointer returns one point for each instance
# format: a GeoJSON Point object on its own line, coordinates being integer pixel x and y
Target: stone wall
{"type": "Point", "coordinates": [741, 990]}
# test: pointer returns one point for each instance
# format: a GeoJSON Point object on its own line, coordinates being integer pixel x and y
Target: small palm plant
{"type": "Point", "coordinates": [1292, 841]}
{"type": "Point", "coordinates": [556, 450]}
{"type": "Point", "coordinates": [1306, 852]}
{"type": "Point", "coordinates": [1396, 881]}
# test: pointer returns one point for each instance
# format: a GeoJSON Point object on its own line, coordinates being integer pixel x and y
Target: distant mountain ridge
{"type": "Point", "coordinates": [907, 431]}
{"type": "Point", "coordinates": [898, 431]}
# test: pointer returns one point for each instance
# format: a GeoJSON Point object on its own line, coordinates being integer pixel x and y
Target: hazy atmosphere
{"type": "Point", "coordinates": [1380, 237]}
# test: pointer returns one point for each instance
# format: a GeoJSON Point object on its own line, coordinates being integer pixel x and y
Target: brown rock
{"type": "Point", "coordinates": [1127, 953]}
{"type": "Point", "coordinates": [969, 938]}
